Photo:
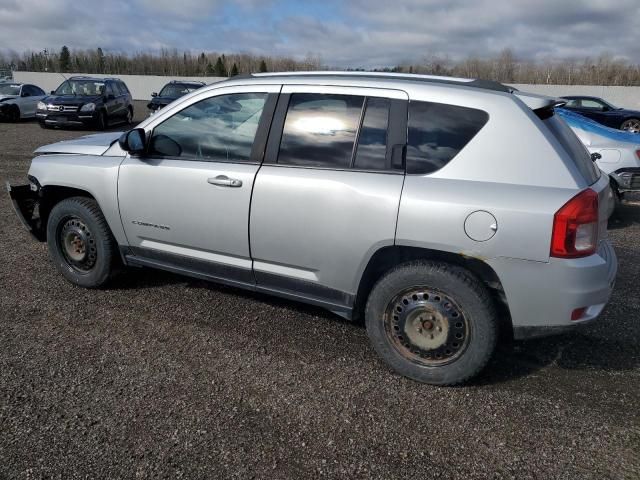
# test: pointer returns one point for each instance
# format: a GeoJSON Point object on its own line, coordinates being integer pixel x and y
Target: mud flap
{"type": "Point", "coordinates": [25, 203]}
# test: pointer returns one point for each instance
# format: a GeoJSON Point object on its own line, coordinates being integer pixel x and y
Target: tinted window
{"type": "Point", "coordinates": [592, 104]}
{"type": "Point", "coordinates": [117, 89]}
{"type": "Point", "coordinates": [574, 147]}
{"type": "Point", "coordinates": [372, 141]}
{"type": "Point", "coordinates": [437, 132]}
{"type": "Point", "coordinates": [320, 130]}
{"type": "Point", "coordinates": [37, 91]}
{"type": "Point", "coordinates": [573, 103]}
{"type": "Point", "coordinates": [220, 128]}
{"type": "Point", "coordinates": [123, 87]}
{"type": "Point", "coordinates": [109, 89]}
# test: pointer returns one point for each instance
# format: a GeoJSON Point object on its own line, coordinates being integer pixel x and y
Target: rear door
{"type": "Point", "coordinates": [327, 195]}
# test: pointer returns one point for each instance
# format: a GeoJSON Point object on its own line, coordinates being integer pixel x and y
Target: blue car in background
{"type": "Point", "coordinates": [616, 152]}
{"type": "Point", "coordinates": [603, 112]}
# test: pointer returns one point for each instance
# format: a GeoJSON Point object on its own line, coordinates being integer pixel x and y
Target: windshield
{"type": "Point", "coordinates": [81, 87]}
{"type": "Point", "coordinates": [177, 89]}
{"type": "Point", "coordinates": [9, 89]}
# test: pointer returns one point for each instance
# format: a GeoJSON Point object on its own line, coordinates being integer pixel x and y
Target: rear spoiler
{"type": "Point", "coordinates": [541, 105]}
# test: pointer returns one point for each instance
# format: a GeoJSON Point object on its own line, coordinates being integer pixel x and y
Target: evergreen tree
{"type": "Point", "coordinates": [100, 58]}
{"type": "Point", "coordinates": [263, 66]}
{"type": "Point", "coordinates": [234, 70]}
{"type": "Point", "coordinates": [64, 59]}
{"type": "Point", "coordinates": [219, 69]}
{"type": "Point", "coordinates": [210, 70]}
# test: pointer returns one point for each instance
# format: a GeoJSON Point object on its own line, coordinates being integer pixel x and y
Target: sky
{"type": "Point", "coordinates": [355, 33]}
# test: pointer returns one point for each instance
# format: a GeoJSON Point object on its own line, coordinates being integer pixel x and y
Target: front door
{"type": "Point", "coordinates": [186, 202]}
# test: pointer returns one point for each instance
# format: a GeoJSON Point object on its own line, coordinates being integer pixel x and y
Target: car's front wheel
{"type": "Point", "coordinates": [102, 122]}
{"type": "Point", "coordinates": [80, 242]}
{"type": "Point", "coordinates": [631, 125]}
{"type": "Point", "coordinates": [14, 114]}
{"type": "Point", "coordinates": [432, 322]}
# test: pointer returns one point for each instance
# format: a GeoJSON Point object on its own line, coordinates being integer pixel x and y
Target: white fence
{"type": "Point", "coordinates": [142, 86]}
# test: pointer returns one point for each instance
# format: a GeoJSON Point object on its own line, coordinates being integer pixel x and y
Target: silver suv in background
{"type": "Point", "coordinates": [441, 210]}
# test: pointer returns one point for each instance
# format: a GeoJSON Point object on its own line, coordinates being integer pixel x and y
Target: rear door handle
{"type": "Point", "coordinates": [224, 181]}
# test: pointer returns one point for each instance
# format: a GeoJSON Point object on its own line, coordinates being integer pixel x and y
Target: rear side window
{"type": "Point", "coordinates": [437, 132]}
{"type": "Point", "coordinates": [574, 147]}
{"type": "Point", "coordinates": [123, 87]}
{"type": "Point", "coordinates": [372, 141]}
{"type": "Point", "coordinates": [320, 130]}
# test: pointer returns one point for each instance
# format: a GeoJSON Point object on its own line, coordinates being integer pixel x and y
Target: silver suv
{"type": "Point", "coordinates": [441, 210]}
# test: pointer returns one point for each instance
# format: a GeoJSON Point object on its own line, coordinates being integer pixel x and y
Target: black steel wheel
{"type": "Point", "coordinates": [426, 327]}
{"type": "Point", "coordinates": [433, 322]}
{"type": "Point", "coordinates": [80, 242]}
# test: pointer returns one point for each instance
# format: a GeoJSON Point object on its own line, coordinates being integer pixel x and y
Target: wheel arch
{"type": "Point", "coordinates": [385, 258]}
{"type": "Point", "coordinates": [50, 196]}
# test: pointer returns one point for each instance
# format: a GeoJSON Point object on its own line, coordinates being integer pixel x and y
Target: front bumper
{"type": "Point", "coordinates": [25, 200]}
{"type": "Point", "coordinates": [542, 295]}
{"type": "Point", "coordinates": [67, 119]}
{"type": "Point", "coordinates": [628, 179]}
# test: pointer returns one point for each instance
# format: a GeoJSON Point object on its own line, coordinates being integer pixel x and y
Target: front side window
{"type": "Point", "coordinates": [437, 133]}
{"type": "Point", "coordinates": [320, 130]}
{"type": "Point", "coordinates": [592, 104]}
{"type": "Point", "coordinates": [220, 128]}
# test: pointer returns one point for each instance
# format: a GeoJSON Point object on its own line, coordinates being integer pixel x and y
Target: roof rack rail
{"type": "Point", "coordinates": [467, 82]}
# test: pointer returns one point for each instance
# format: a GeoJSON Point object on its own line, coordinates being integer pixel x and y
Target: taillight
{"type": "Point", "coordinates": [575, 227]}
{"type": "Point", "coordinates": [638, 154]}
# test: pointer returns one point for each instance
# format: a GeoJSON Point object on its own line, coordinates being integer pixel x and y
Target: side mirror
{"type": "Point", "coordinates": [154, 94]}
{"type": "Point", "coordinates": [53, 92]}
{"type": "Point", "coordinates": [595, 156]}
{"type": "Point", "coordinates": [133, 141]}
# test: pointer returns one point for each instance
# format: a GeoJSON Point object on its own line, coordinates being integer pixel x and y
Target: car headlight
{"type": "Point", "coordinates": [42, 106]}
{"type": "Point", "coordinates": [88, 107]}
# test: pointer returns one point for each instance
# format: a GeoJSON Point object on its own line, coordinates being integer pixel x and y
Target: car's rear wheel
{"type": "Point", "coordinates": [631, 125]}
{"type": "Point", "coordinates": [80, 242]}
{"type": "Point", "coordinates": [432, 322]}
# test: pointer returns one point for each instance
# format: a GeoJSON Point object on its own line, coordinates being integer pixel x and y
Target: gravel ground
{"type": "Point", "coordinates": [164, 376]}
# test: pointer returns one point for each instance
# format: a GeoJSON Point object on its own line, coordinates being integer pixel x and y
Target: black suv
{"type": "Point", "coordinates": [87, 101]}
{"type": "Point", "coordinates": [171, 91]}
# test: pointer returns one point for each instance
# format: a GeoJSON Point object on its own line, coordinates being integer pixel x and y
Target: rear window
{"type": "Point", "coordinates": [574, 147]}
{"type": "Point", "coordinates": [437, 133]}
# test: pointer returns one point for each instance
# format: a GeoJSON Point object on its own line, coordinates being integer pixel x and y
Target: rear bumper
{"type": "Point", "coordinates": [25, 203]}
{"type": "Point", "coordinates": [542, 296]}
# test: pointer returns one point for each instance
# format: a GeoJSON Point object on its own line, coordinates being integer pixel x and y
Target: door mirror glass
{"type": "Point", "coordinates": [133, 141]}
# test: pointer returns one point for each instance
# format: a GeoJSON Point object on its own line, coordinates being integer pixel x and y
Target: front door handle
{"type": "Point", "coordinates": [224, 181]}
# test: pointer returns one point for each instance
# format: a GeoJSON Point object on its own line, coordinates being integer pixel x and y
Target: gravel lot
{"type": "Point", "coordinates": [166, 376]}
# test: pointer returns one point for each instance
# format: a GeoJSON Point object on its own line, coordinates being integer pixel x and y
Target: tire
{"type": "Point", "coordinates": [631, 125]}
{"type": "Point", "coordinates": [14, 114]}
{"type": "Point", "coordinates": [43, 125]}
{"type": "Point", "coordinates": [102, 123]}
{"type": "Point", "coordinates": [79, 220]}
{"type": "Point", "coordinates": [448, 326]}
{"type": "Point", "coordinates": [129, 117]}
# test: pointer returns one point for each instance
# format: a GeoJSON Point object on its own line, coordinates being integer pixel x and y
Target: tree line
{"type": "Point", "coordinates": [505, 67]}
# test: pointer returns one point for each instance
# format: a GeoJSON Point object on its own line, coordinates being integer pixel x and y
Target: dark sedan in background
{"type": "Point", "coordinates": [605, 113]}
{"type": "Point", "coordinates": [171, 91]}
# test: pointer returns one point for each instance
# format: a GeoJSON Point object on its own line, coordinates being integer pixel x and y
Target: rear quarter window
{"type": "Point", "coordinates": [437, 133]}
{"type": "Point", "coordinates": [574, 148]}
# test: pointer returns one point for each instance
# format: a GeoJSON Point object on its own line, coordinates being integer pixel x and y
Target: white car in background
{"type": "Point", "coordinates": [19, 100]}
{"type": "Point", "coordinates": [616, 152]}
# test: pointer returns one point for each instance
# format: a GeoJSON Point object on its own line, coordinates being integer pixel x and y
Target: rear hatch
{"type": "Point", "coordinates": [587, 169]}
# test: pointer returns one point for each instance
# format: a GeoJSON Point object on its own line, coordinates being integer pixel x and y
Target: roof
{"type": "Point", "coordinates": [464, 82]}
{"type": "Point", "coordinates": [86, 77]}
{"type": "Point", "coordinates": [573, 97]}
